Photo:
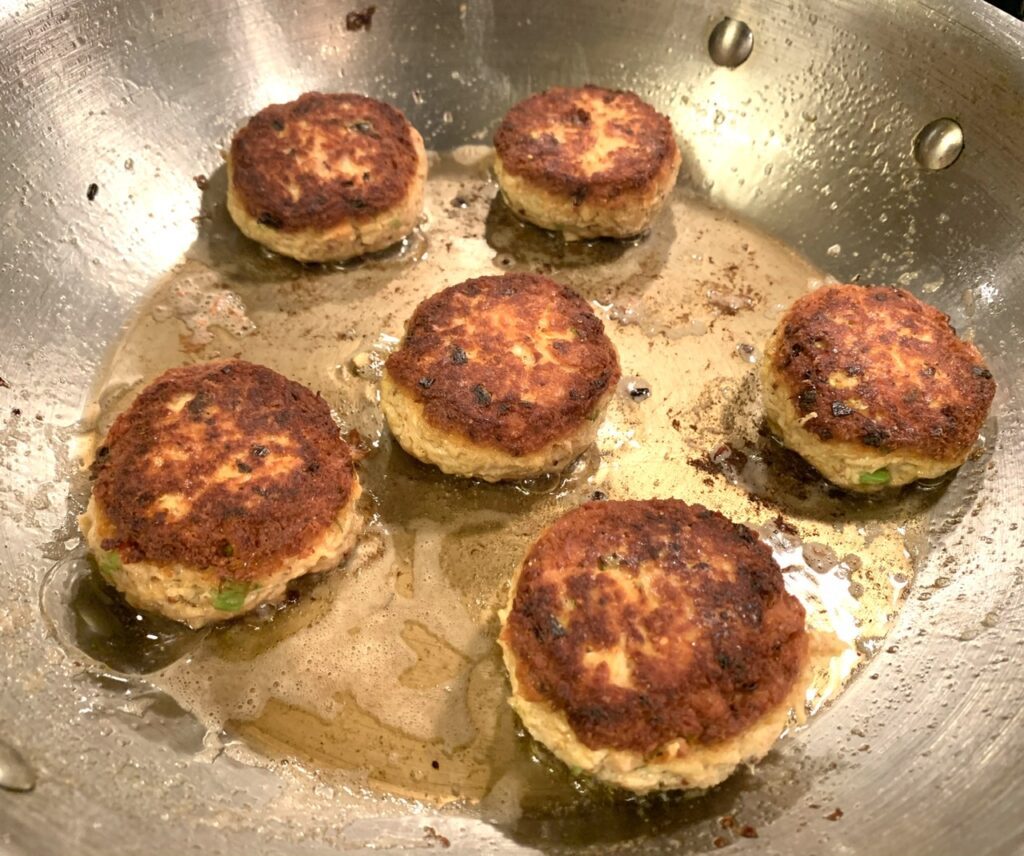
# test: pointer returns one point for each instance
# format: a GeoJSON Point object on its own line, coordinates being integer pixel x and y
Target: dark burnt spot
{"type": "Point", "coordinates": [555, 628]}
{"type": "Point", "coordinates": [259, 451]}
{"type": "Point", "coordinates": [459, 356]}
{"type": "Point", "coordinates": [928, 371]}
{"type": "Point", "coordinates": [982, 372]}
{"type": "Point", "coordinates": [367, 130]}
{"type": "Point", "coordinates": [840, 409]}
{"type": "Point", "coordinates": [483, 397]}
{"type": "Point", "coordinates": [277, 125]}
{"type": "Point", "coordinates": [579, 116]}
{"type": "Point", "coordinates": [807, 399]}
{"type": "Point", "coordinates": [270, 220]}
{"type": "Point", "coordinates": [854, 371]}
{"type": "Point", "coordinates": [873, 437]}
{"type": "Point", "coordinates": [243, 467]}
{"type": "Point", "coordinates": [426, 382]}
{"type": "Point", "coordinates": [200, 401]}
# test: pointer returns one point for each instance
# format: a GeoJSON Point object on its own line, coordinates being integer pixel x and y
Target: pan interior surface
{"type": "Point", "coordinates": [396, 652]}
{"type": "Point", "coordinates": [371, 712]}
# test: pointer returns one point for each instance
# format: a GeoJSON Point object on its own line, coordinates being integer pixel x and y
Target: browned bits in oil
{"type": "Point", "coordinates": [91, 191]}
{"type": "Point", "coordinates": [835, 814]}
{"type": "Point", "coordinates": [360, 20]}
{"type": "Point", "coordinates": [202, 182]}
{"type": "Point", "coordinates": [435, 837]}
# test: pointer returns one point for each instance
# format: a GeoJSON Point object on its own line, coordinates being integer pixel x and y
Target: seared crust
{"type": "Point", "coordinates": [223, 465]}
{"type": "Point", "coordinates": [877, 367]}
{"type": "Point", "coordinates": [552, 139]}
{"type": "Point", "coordinates": [514, 362]}
{"type": "Point", "coordinates": [321, 160]}
{"type": "Point", "coordinates": [648, 622]}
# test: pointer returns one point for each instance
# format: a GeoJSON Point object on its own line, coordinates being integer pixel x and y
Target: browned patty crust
{"type": "Point", "coordinates": [901, 378]}
{"type": "Point", "coordinates": [246, 418]}
{"type": "Point", "coordinates": [459, 360]}
{"type": "Point", "coordinates": [527, 147]}
{"type": "Point", "coordinates": [292, 146]}
{"type": "Point", "coordinates": [697, 603]}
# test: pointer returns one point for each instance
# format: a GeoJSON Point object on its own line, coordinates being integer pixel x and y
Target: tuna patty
{"type": "Point", "coordinates": [327, 177]}
{"type": "Point", "coordinates": [218, 484]}
{"type": "Point", "coordinates": [587, 162]}
{"type": "Point", "coordinates": [873, 387]}
{"type": "Point", "coordinates": [500, 377]}
{"type": "Point", "coordinates": [653, 643]}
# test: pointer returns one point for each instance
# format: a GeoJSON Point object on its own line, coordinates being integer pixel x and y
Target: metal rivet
{"type": "Point", "coordinates": [939, 144]}
{"type": "Point", "coordinates": [731, 43]}
{"type": "Point", "coordinates": [15, 773]}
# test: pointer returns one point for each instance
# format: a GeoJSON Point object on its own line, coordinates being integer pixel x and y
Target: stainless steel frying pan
{"type": "Point", "coordinates": [825, 136]}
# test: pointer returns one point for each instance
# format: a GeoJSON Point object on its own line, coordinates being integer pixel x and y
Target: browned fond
{"type": "Point", "coordinates": [514, 361]}
{"type": "Point", "coordinates": [695, 603]}
{"type": "Point", "coordinates": [323, 159]}
{"type": "Point", "coordinates": [256, 459]}
{"type": "Point", "coordinates": [546, 137]}
{"type": "Point", "coordinates": [881, 368]}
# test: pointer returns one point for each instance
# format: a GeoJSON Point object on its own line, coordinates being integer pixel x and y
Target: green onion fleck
{"type": "Point", "coordinates": [230, 597]}
{"type": "Point", "coordinates": [109, 562]}
{"type": "Point", "coordinates": [881, 476]}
